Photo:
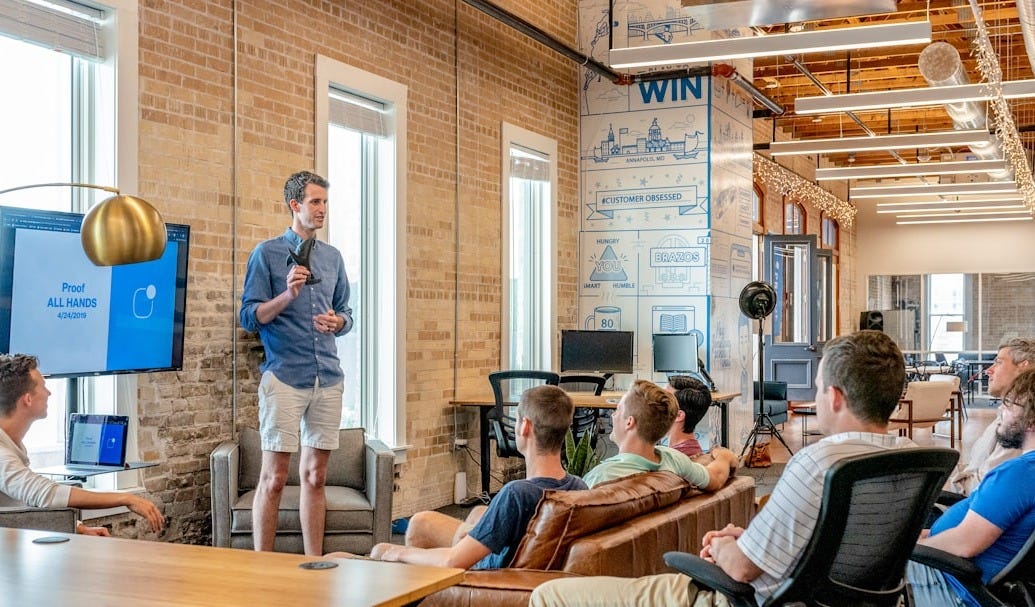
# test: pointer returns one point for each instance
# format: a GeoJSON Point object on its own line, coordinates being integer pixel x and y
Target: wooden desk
{"type": "Point", "coordinates": [608, 400]}
{"type": "Point", "coordinates": [111, 571]}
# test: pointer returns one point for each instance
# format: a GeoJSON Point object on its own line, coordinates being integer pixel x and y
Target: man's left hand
{"type": "Point", "coordinates": [328, 322]}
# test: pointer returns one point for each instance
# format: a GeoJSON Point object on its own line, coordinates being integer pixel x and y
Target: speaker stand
{"type": "Point", "coordinates": [763, 423]}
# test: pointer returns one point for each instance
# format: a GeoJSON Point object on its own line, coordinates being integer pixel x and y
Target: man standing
{"type": "Point", "coordinates": [1015, 355]}
{"type": "Point", "coordinates": [858, 385]}
{"type": "Point", "coordinates": [296, 296]}
{"type": "Point", "coordinates": [993, 524]}
{"type": "Point", "coordinates": [489, 539]}
{"type": "Point", "coordinates": [23, 400]}
{"type": "Point", "coordinates": [640, 420]}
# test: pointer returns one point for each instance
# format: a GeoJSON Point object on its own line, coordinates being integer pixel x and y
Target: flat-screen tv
{"type": "Point", "coordinates": [597, 351]}
{"type": "Point", "coordinates": [80, 319]}
{"type": "Point", "coordinates": [675, 353]}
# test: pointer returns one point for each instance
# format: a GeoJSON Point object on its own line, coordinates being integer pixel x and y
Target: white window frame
{"type": "Point", "coordinates": [512, 135]}
{"type": "Point", "coordinates": [387, 409]}
{"type": "Point", "coordinates": [112, 166]}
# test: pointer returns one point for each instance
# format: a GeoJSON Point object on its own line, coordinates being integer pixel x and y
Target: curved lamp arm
{"type": "Point", "coordinates": [119, 230]}
{"type": "Point", "coordinates": [106, 188]}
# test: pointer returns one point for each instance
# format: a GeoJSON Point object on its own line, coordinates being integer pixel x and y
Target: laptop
{"type": "Point", "coordinates": [95, 444]}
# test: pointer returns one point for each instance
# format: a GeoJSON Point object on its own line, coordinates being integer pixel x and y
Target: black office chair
{"type": "Point", "coordinates": [1014, 586]}
{"type": "Point", "coordinates": [585, 418]}
{"type": "Point", "coordinates": [506, 395]}
{"type": "Point", "coordinates": [873, 509]}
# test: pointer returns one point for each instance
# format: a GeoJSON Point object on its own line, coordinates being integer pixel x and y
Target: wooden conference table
{"type": "Point", "coordinates": [110, 571]}
{"type": "Point", "coordinates": [608, 400]}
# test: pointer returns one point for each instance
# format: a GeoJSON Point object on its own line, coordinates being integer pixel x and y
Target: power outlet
{"type": "Point", "coordinates": [459, 443]}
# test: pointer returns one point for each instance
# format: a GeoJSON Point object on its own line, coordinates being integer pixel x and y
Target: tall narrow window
{"type": "Point", "coordinates": [361, 149]}
{"type": "Point", "coordinates": [66, 131]}
{"type": "Point", "coordinates": [945, 304]}
{"type": "Point", "coordinates": [793, 218]}
{"type": "Point", "coordinates": [529, 249]}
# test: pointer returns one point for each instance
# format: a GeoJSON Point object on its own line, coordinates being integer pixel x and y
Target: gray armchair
{"type": "Point", "coordinates": [359, 485]}
{"type": "Point", "coordinates": [43, 519]}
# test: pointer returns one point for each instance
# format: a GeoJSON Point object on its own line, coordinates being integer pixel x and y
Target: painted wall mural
{"type": "Point", "coordinates": [665, 240]}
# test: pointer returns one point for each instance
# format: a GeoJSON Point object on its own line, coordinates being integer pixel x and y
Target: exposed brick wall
{"type": "Point", "coordinates": [187, 169]}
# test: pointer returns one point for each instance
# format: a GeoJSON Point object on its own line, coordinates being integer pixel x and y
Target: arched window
{"type": "Point", "coordinates": [830, 233]}
{"type": "Point", "coordinates": [793, 218]}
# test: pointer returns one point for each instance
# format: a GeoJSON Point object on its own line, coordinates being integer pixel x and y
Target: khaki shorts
{"type": "Point", "coordinates": [283, 410]}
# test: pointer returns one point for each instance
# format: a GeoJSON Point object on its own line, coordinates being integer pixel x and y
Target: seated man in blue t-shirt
{"type": "Point", "coordinates": [432, 538]}
{"type": "Point", "coordinates": [640, 420]}
{"type": "Point", "coordinates": [992, 524]}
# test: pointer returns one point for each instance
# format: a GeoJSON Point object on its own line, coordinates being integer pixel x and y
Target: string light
{"type": "Point", "coordinates": [779, 179]}
{"type": "Point", "coordinates": [1002, 116]}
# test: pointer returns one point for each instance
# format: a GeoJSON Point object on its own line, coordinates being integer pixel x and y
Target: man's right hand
{"type": "Point", "coordinates": [296, 280]}
{"type": "Point", "coordinates": [724, 454]}
{"type": "Point", "coordinates": [147, 510]}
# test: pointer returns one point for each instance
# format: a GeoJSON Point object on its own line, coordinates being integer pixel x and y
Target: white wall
{"type": "Point", "coordinates": [887, 248]}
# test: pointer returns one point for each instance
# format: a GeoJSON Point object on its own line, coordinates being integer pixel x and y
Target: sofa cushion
{"type": "Point", "coordinates": [344, 466]}
{"type": "Point", "coordinates": [564, 516]}
{"type": "Point", "coordinates": [347, 510]}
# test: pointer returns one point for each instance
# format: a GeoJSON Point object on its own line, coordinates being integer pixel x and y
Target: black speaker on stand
{"type": "Point", "coordinates": [757, 301]}
{"type": "Point", "coordinates": [871, 319]}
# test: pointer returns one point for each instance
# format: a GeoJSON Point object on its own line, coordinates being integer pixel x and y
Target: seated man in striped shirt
{"type": "Point", "coordinates": [857, 387]}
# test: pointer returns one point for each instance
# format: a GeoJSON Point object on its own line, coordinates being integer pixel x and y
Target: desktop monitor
{"type": "Point", "coordinates": [597, 351]}
{"type": "Point", "coordinates": [675, 353]}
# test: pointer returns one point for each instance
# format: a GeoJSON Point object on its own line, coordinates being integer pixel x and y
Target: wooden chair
{"type": "Point", "coordinates": [924, 404]}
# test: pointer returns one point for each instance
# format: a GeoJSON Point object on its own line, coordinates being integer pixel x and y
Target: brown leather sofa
{"type": "Point", "coordinates": [618, 528]}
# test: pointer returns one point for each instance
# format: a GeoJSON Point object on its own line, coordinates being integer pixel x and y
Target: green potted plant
{"type": "Point", "coordinates": [579, 458]}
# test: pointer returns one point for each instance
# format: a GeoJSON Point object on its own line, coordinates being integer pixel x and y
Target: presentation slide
{"type": "Point", "coordinates": [66, 310]}
{"type": "Point", "coordinates": [86, 446]}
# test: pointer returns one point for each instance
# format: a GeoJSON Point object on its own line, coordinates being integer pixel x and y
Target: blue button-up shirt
{"type": "Point", "coordinates": [296, 353]}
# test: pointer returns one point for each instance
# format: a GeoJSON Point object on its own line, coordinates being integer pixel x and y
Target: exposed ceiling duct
{"type": "Point", "coordinates": [623, 79]}
{"type": "Point", "coordinates": [940, 65]}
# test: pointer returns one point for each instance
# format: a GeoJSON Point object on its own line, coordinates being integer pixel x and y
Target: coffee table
{"type": "Point", "coordinates": [806, 412]}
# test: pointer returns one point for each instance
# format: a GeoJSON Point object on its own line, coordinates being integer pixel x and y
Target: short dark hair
{"type": "Point", "coordinates": [294, 187]}
{"type": "Point", "coordinates": [653, 408]}
{"type": "Point", "coordinates": [15, 380]}
{"type": "Point", "coordinates": [868, 367]}
{"type": "Point", "coordinates": [550, 410]}
{"type": "Point", "coordinates": [694, 401]}
{"type": "Point", "coordinates": [1022, 392]}
{"type": "Point", "coordinates": [681, 382]}
{"type": "Point", "coordinates": [1021, 349]}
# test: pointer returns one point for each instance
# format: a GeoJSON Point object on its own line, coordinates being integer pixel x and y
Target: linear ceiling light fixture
{"type": "Point", "coordinates": [959, 213]}
{"type": "Point", "coordinates": [911, 170]}
{"type": "Point", "coordinates": [936, 139]}
{"type": "Point", "coordinates": [871, 36]}
{"type": "Point", "coordinates": [920, 198]}
{"type": "Point", "coordinates": [963, 220]}
{"type": "Point", "coordinates": [944, 189]}
{"type": "Point", "coordinates": [947, 208]}
{"type": "Point", "coordinates": [919, 97]}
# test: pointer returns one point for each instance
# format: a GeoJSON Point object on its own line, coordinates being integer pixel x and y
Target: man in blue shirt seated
{"type": "Point", "coordinates": [992, 524]}
{"type": "Point", "coordinates": [640, 420]}
{"type": "Point", "coordinates": [543, 418]}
